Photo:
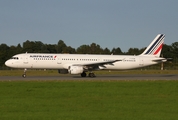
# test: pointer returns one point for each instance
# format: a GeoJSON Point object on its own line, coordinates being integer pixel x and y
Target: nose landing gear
{"type": "Point", "coordinates": [24, 75]}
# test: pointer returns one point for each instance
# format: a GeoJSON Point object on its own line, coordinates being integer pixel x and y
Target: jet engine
{"type": "Point", "coordinates": [75, 69]}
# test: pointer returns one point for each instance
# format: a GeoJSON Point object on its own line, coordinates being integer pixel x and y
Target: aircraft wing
{"type": "Point", "coordinates": [97, 63]}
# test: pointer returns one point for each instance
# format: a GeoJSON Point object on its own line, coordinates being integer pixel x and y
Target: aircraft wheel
{"type": "Point", "coordinates": [91, 75]}
{"type": "Point", "coordinates": [83, 74]}
{"type": "Point", "coordinates": [24, 75]}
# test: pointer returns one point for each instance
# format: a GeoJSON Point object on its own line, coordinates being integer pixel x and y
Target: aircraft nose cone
{"type": "Point", "coordinates": [7, 63]}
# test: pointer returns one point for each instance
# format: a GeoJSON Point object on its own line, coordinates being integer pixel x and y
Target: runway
{"type": "Point", "coordinates": [98, 78]}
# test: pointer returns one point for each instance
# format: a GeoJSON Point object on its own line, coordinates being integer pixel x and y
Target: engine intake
{"type": "Point", "coordinates": [75, 69]}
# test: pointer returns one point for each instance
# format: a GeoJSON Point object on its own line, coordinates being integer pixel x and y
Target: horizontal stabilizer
{"type": "Point", "coordinates": [160, 60]}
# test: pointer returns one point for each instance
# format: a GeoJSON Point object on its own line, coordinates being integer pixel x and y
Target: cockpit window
{"type": "Point", "coordinates": [15, 58]}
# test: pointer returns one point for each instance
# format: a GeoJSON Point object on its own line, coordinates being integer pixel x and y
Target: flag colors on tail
{"type": "Point", "coordinates": [154, 49]}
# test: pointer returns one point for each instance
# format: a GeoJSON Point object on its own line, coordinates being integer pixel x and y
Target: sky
{"type": "Point", "coordinates": [108, 23]}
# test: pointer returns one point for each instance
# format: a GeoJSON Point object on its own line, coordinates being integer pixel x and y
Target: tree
{"type": "Point", "coordinates": [142, 50]}
{"type": "Point", "coordinates": [106, 51]}
{"type": "Point", "coordinates": [18, 48]}
{"type": "Point", "coordinates": [69, 49]}
{"type": "Point", "coordinates": [51, 48]}
{"type": "Point", "coordinates": [167, 51]}
{"type": "Point", "coordinates": [116, 51]}
{"type": "Point", "coordinates": [28, 46]}
{"type": "Point", "coordinates": [95, 49]}
{"type": "Point", "coordinates": [133, 51]}
{"type": "Point", "coordinates": [60, 46]}
{"type": "Point", "coordinates": [175, 49]}
{"type": "Point", "coordinates": [39, 47]}
{"type": "Point", "coordinates": [83, 49]}
{"type": "Point", "coordinates": [4, 53]}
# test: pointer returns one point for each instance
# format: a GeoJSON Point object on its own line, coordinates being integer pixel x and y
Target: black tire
{"type": "Point", "coordinates": [24, 75]}
{"type": "Point", "coordinates": [83, 74]}
{"type": "Point", "coordinates": [91, 75]}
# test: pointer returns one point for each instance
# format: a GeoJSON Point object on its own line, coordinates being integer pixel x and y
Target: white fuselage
{"type": "Point", "coordinates": [63, 61]}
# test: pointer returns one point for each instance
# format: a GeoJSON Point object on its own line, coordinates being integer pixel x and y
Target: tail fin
{"type": "Point", "coordinates": [155, 47]}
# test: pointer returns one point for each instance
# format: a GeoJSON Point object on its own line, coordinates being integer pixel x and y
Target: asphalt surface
{"type": "Point", "coordinates": [99, 77]}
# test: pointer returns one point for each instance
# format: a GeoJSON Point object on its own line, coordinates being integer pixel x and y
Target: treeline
{"type": "Point", "coordinates": [6, 52]}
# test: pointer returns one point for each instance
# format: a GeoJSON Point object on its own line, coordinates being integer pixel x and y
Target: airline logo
{"type": "Point", "coordinates": [43, 56]}
{"type": "Point", "coordinates": [156, 46]}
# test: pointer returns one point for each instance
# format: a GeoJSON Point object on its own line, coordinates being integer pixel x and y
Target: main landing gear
{"type": "Point", "coordinates": [89, 75]}
{"type": "Point", "coordinates": [24, 75]}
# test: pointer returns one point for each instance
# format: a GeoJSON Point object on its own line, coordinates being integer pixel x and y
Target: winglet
{"type": "Point", "coordinates": [155, 47]}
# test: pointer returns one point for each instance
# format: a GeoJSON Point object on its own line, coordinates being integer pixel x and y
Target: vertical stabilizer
{"type": "Point", "coordinates": [155, 47]}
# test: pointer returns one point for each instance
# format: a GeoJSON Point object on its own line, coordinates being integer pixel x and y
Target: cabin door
{"type": "Point", "coordinates": [59, 59]}
{"type": "Point", "coordinates": [25, 60]}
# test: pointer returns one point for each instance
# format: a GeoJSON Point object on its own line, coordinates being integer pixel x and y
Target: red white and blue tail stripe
{"type": "Point", "coordinates": [154, 49]}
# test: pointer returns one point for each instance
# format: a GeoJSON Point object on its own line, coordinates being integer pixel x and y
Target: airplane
{"type": "Point", "coordinates": [82, 63]}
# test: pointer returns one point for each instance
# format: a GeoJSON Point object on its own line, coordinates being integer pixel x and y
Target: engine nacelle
{"type": "Point", "coordinates": [63, 71]}
{"type": "Point", "coordinates": [75, 69]}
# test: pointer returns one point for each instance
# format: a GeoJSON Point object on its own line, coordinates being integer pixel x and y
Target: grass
{"type": "Point", "coordinates": [103, 72]}
{"type": "Point", "coordinates": [86, 100]}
